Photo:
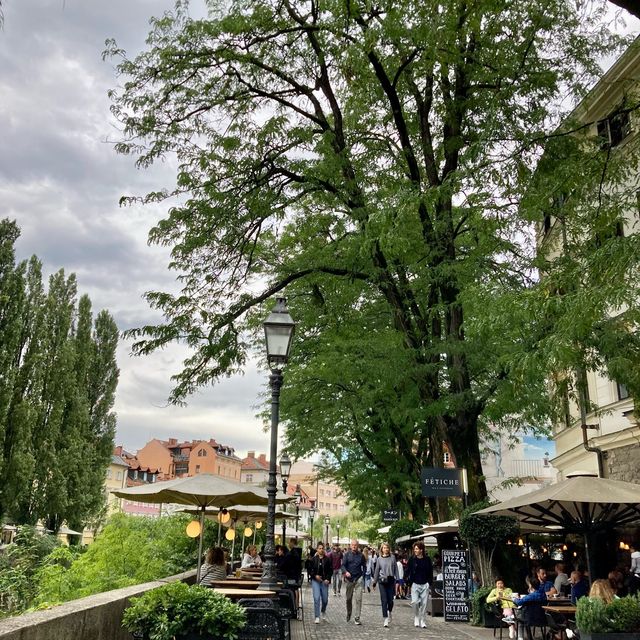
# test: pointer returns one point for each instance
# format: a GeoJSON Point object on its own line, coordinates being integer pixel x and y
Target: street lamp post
{"type": "Point", "coordinates": [312, 515]}
{"type": "Point", "coordinates": [338, 531]}
{"type": "Point", "coordinates": [278, 331]}
{"type": "Point", "coordinates": [297, 495]}
{"type": "Point", "coordinates": [285, 472]}
{"type": "Point", "coordinates": [327, 520]}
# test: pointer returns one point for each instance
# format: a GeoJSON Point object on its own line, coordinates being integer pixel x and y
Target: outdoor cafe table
{"type": "Point", "coordinates": [236, 584]}
{"type": "Point", "coordinates": [236, 594]}
{"type": "Point", "coordinates": [559, 608]}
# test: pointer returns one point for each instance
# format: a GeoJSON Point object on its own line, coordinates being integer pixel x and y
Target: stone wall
{"type": "Point", "coordinates": [623, 463]}
{"type": "Point", "coordinates": [96, 617]}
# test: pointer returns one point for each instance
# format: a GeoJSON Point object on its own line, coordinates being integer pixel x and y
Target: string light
{"type": "Point", "coordinates": [224, 516]}
{"type": "Point", "coordinates": [230, 534]}
{"type": "Point", "coordinates": [248, 531]}
{"type": "Point", "coordinates": [193, 529]}
{"type": "Point", "coordinates": [259, 524]}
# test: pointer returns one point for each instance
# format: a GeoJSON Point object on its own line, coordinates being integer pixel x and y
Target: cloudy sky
{"type": "Point", "coordinates": [61, 180]}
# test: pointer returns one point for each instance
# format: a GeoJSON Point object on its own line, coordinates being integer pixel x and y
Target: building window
{"type": "Point", "coordinates": [623, 392]}
{"type": "Point", "coordinates": [119, 475]}
{"type": "Point", "coordinates": [322, 492]}
{"type": "Point", "coordinates": [109, 474]}
{"type": "Point", "coordinates": [614, 129]}
{"type": "Point", "coordinates": [248, 477]}
{"type": "Point", "coordinates": [446, 457]}
{"type": "Point", "coordinates": [322, 505]}
{"type": "Point", "coordinates": [197, 468]}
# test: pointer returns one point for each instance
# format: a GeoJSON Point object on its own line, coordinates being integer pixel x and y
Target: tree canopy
{"type": "Point", "coordinates": [371, 161]}
{"type": "Point", "coordinates": [57, 390]}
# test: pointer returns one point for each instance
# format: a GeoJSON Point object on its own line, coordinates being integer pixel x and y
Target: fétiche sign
{"type": "Point", "coordinates": [390, 515]}
{"type": "Point", "coordinates": [455, 585]}
{"type": "Point", "coordinates": [440, 482]}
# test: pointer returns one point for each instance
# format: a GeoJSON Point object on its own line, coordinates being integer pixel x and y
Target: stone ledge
{"type": "Point", "coordinates": [96, 617]}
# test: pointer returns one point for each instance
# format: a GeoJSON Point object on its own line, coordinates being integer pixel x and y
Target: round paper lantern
{"type": "Point", "coordinates": [248, 531]}
{"type": "Point", "coordinates": [193, 529]}
{"type": "Point", "coordinates": [224, 516]}
{"type": "Point", "coordinates": [259, 524]}
{"type": "Point", "coordinates": [230, 534]}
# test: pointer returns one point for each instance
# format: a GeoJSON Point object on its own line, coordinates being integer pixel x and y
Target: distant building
{"type": "Point", "coordinates": [256, 470]}
{"type": "Point", "coordinates": [116, 478]}
{"type": "Point", "coordinates": [175, 459]}
{"type": "Point", "coordinates": [137, 474]}
{"type": "Point", "coordinates": [329, 498]}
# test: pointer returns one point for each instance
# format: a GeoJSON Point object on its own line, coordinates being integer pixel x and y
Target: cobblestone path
{"type": "Point", "coordinates": [336, 626]}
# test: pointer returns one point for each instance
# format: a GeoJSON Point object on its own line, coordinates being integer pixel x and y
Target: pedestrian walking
{"type": "Point", "coordinates": [368, 568]}
{"type": "Point", "coordinates": [420, 575]}
{"type": "Point", "coordinates": [353, 567]}
{"type": "Point", "coordinates": [399, 577]}
{"type": "Point", "coordinates": [321, 572]}
{"type": "Point", "coordinates": [336, 562]}
{"type": "Point", "coordinates": [385, 574]}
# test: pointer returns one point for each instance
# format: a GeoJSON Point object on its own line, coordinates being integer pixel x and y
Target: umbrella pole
{"type": "Point", "coordinates": [219, 531]}
{"type": "Point", "coordinates": [233, 543]}
{"type": "Point", "coordinates": [254, 534]}
{"type": "Point", "coordinates": [200, 545]}
{"type": "Point", "coordinates": [586, 517]}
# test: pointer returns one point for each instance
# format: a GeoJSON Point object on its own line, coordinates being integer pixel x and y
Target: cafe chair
{"type": "Point", "coordinates": [557, 625]}
{"type": "Point", "coordinates": [498, 622]}
{"type": "Point", "coordinates": [262, 624]}
{"type": "Point", "coordinates": [531, 616]}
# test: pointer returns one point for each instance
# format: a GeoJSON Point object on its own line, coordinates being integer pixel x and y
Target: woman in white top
{"type": "Point", "coordinates": [251, 558]}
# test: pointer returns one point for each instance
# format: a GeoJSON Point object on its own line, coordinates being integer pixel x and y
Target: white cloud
{"type": "Point", "coordinates": [62, 181]}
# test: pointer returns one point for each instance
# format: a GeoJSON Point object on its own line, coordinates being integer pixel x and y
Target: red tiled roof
{"type": "Point", "coordinates": [255, 464]}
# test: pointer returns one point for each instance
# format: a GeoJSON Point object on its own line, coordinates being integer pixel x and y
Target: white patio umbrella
{"type": "Point", "coordinates": [202, 491]}
{"type": "Point", "coordinates": [582, 504]}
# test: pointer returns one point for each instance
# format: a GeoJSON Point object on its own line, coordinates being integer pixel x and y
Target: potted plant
{"type": "Point", "coordinates": [618, 620]}
{"type": "Point", "coordinates": [481, 614]}
{"type": "Point", "coordinates": [183, 612]}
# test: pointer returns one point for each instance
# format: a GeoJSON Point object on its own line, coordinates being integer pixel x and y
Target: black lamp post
{"type": "Point", "coordinates": [327, 520]}
{"type": "Point", "coordinates": [338, 531]}
{"type": "Point", "coordinates": [297, 495]}
{"type": "Point", "coordinates": [285, 472]}
{"type": "Point", "coordinates": [312, 515]}
{"type": "Point", "coordinates": [278, 331]}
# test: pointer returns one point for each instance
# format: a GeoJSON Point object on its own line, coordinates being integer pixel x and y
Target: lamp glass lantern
{"type": "Point", "coordinates": [278, 330]}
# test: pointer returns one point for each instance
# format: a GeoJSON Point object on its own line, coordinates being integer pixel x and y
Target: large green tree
{"type": "Point", "coordinates": [369, 159]}
{"type": "Point", "coordinates": [57, 391]}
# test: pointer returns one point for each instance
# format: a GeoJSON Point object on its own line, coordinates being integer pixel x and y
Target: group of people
{"type": "Point", "coordinates": [366, 569]}
{"type": "Point", "coordinates": [539, 589]}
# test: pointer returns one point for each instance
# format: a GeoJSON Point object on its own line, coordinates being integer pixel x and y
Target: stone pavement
{"type": "Point", "coordinates": [401, 628]}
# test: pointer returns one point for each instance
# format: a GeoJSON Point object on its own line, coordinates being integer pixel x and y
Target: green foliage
{"type": "Point", "coordinates": [375, 169]}
{"type": "Point", "coordinates": [19, 564]}
{"type": "Point", "coordinates": [129, 550]}
{"type": "Point", "coordinates": [486, 531]}
{"type": "Point", "coordinates": [176, 609]}
{"type": "Point", "coordinates": [56, 395]}
{"type": "Point", "coordinates": [479, 605]}
{"type": "Point", "coordinates": [619, 616]}
{"type": "Point", "coordinates": [401, 528]}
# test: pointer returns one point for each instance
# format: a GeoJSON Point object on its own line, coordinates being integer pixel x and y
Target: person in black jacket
{"type": "Point", "coordinates": [420, 575]}
{"type": "Point", "coordinates": [321, 574]}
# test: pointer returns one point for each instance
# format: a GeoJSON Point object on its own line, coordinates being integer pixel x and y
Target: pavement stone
{"type": "Point", "coordinates": [336, 626]}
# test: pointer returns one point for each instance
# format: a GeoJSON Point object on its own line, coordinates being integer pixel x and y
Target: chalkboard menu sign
{"type": "Point", "coordinates": [456, 588]}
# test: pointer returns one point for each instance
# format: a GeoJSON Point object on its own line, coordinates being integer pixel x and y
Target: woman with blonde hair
{"type": "Point", "coordinates": [251, 557]}
{"type": "Point", "coordinates": [601, 589]}
{"type": "Point", "coordinates": [386, 573]}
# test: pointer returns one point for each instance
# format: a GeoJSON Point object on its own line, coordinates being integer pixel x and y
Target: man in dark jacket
{"type": "Point", "coordinates": [420, 575]}
{"type": "Point", "coordinates": [353, 568]}
{"type": "Point", "coordinates": [321, 573]}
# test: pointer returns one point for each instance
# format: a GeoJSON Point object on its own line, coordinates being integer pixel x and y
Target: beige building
{"type": "Point", "coordinates": [612, 426]}
{"type": "Point", "coordinates": [116, 478]}
{"type": "Point", "coordinates": [329, 499]}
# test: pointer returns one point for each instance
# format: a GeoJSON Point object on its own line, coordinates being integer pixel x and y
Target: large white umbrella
{"type": "Point", "coordinates": [202, 491]}
{"type": "Point", "coordinates": [582, 504]}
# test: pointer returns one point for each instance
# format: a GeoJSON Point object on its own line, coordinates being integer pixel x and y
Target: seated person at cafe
{"type": "Point", "coordinates": [502, 595]}
{"type": "Point", "coordinates": [535, 594]}
{"type": "Point", "coordinates": [561, 579]}
{"type": "Point", "coordinates": [616, 581]}
{"type": "Point", "coordinates": [546, 586]}
{"type": "Point", "coordinates": [579, 586]}
{"type": "Point", "coordinates": [251, 558]}
{"type": "Point", "coordinates": [601, 590]}
{"type": "Point", "coordinates": [281, 552]}
{"type": "Point", "coordinates": [214, 567]}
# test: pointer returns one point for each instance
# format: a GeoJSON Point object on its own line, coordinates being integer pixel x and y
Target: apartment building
{"type": "Point", "coordinates": [610, 443]}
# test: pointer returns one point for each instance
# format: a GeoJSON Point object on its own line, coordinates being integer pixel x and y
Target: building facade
{"type": "Point", "coordinates": [607, 439]}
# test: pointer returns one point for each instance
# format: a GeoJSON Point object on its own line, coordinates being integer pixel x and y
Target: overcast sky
{"type": "Point", "coordinates": [61, 180]}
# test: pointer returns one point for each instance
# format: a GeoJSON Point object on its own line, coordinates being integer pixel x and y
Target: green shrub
{"type": "Point", "coordinates": [620, 616]}
{"type": "Point", "coordinates": [401, 528]}
{"type": "Point", "coordinates": [177, 609]}
{"type": "Point", "coordinates": [478, 603]}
